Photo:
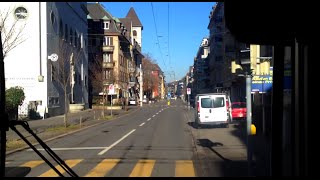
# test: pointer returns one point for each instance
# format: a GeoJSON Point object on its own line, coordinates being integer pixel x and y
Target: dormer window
{"type": "Point", "coordinates": [106, 25]}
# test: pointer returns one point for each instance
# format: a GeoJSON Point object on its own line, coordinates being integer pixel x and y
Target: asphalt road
{"type": "Point", "coordinates": [157, 140]}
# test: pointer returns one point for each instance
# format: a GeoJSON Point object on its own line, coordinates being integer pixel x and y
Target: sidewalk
{"type": "Point", "coordinates": [88, 117]}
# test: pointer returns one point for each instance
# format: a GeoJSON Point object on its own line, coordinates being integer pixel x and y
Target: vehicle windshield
{"type": "Point", "coordinates": [239, 105]}
{"type": "Point", "coordinates": [140, 89]}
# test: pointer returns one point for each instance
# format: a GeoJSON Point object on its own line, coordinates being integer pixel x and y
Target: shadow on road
{"type": "Point", "coordinates": [260, 148]}
{"type": "Point", "coordinates": [226, 167]}
{"type": "Point", "coordinates": [192, 124]}
{"type": "Point", "coordinates": [209, 144]}
{"type": "Point", "coordinates": [17, 171]}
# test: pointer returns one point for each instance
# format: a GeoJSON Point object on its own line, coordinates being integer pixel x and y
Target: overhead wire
{"type": "Point", "coordinates": [169, 36]}
{"type": "Point", "coordinates": [154, 20]}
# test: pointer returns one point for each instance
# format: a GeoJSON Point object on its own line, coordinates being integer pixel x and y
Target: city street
{"type": "Point", "coordinates": [156, 140]}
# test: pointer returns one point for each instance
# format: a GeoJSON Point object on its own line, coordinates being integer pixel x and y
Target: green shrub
{"type": "Point", "coordinates": [14, 98]}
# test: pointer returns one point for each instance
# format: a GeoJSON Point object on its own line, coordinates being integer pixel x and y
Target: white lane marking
{"type": "Point", "coordinates": [157, 113]}
{"type": "Point", "coordinates": [75, 148]}
{"type": "Point", "coordinates": [141, 124]}
{"type": "Point", "coordinates": [153, 115]}
{"type": "Point", "coordinates": [149, 119]}
{"type": "Point", "coordinates": [115, 143]}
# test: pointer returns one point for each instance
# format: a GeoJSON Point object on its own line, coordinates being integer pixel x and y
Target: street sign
{"type": "Point", "coordinates": [111, 90]}
{"type": "Point", "coordinates": [188, 90]}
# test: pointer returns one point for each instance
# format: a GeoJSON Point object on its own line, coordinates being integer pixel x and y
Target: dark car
{"type": "Point", "coordinates": [239, 110]}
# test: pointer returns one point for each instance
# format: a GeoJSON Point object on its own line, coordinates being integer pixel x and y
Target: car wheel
{"type": "Point", "coordinates": [197, 125]}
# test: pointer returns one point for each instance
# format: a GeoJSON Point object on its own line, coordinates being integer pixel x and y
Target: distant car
{"type": "Point", "coordinates": [132, 101]}
{"type": "Point", "coordinates": [153, 100]}
{"type": "Point", "coordinates": [239, 110]}
{"type": "Point", "coordinates": [145, 100]}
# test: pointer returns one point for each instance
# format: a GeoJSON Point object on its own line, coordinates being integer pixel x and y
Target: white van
{"type": "Point", "coordinates": [211, 109]}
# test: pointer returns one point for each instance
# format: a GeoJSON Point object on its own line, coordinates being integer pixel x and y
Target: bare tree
{"type": "Point", "coordinates": [11, 29]}
{"type": "Point", "coordinates": [148, 65]}
{"type": "Point", "coordinates": [67, 62]}
{"type": "Point", "coordinates": [100, 78]}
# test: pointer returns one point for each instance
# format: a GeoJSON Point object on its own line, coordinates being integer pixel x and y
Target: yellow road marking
{"type": "Point", "coordinates": [103, 168]}
{"type": "Point", "coordinates": [143, 168]}
{"type": "Point", "coordinates": [52, 173]}
{"type": "Point", "coordinates": [32, 164]}
{"type": "Point", "coordinates": [184, 169]}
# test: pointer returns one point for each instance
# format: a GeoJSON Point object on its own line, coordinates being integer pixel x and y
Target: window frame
{"type": "Point", "coordinates": [106, 25]}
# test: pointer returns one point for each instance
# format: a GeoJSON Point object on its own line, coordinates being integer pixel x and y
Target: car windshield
{"type": "Point", "coordinates": [158, 88]}
{"type": "Point", "coordinates": [239, 105]}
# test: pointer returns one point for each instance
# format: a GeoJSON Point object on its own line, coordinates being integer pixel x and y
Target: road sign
{"type": "Point", "coordinates": [111, 90]}
{"type": "Point", "coordinates": [188, 90]}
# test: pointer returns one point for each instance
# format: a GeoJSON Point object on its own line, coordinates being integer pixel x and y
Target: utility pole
{"type": "Point", "coordinates": [245, 61]}
{"type": "Point", "coordinates": [141, 86]}
{"type": "Point", "coordinates": [249, 121]}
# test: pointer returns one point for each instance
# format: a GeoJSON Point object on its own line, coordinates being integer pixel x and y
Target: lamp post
{"type": "Point", "coordinates": [141, 86]}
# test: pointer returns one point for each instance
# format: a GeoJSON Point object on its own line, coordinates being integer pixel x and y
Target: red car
{"type": "Point", "coordinates": [239, 110]}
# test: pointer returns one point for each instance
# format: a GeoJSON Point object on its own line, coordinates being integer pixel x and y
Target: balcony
{"type": "Point", "coordinates": [108, 48]}
{"type": "Point", "coordinates": [131, 70]}
{"type": "Point", "coordinates": [107, 82]}
{"type": "Point", "coordinates": [108, 65]}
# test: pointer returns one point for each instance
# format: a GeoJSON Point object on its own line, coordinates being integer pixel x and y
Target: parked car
{"type": "Point", "coordinates": [132, 101]}
{"type": "Point", "coordinates": [211, 109]}
{"type": "Point", "coordinates": [239, 110]}
{"type": "Point", "coordinates": [153, 100]}
{"type": "Point", "coordinates": [145, 100]}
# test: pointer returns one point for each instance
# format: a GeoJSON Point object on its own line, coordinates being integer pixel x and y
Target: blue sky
{"type": "Point", "coordinates": [188, 22]}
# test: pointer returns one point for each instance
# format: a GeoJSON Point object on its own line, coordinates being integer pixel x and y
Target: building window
{"type": "Point", "coordinates": [108, 41]}
{"type": "Point", "coordinates": [106, 25]}
{"type": "Point", "coordinates": [71, 36]}
{"type": "Point", "coordinates": [53, 101]}
{"type": "Point", "coordinates": [79, 81]}
{"type": "Point", "coordinates": [52, 18]}
{"type": "Point", "coordinates": [21, 13]}
{"type": "Point", "coordinates": [107, 74]}
{"type": "Point", "coordinates": [107, 57]}
{"type": "Point", "coordinates": [66, 32]}
{"type": "Point", "coordinates": [60, 29]}
{"type": "Point", "coordinates": [134, 33]}
{"type": "Point", "coordinates": [53, 73]}
{"type": "Point", "coordinates": [75, 39]}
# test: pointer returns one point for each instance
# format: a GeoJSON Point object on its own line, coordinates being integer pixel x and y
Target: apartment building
{"type": "Point", "coordinates": [35, 63]}
{"type": "Point", "coordinates": [201, 70]}
{"type": "Point", "coordinates": [115, 43]}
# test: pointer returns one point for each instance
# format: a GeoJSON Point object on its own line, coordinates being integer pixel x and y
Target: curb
{"type": "Point", "coordinates": [62, 135]}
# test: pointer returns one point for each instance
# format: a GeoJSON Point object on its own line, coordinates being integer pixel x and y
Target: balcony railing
{"type": "Point", "coordinates": [107, 48]}
{"type": "Point", "coordinates": [107, 81]}
{"type": "Point", "coordinates": [108, 65]}
{"type": "Point", "coordinates": [131, 70]}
